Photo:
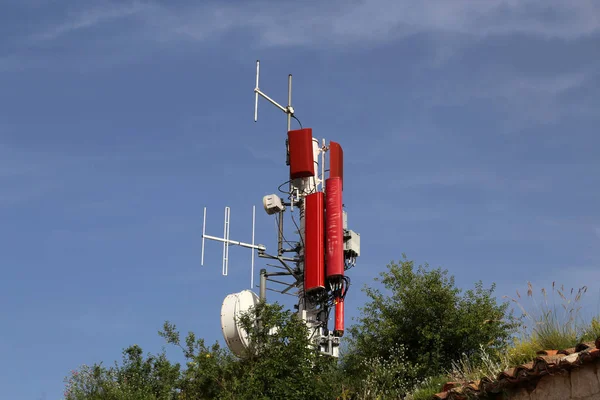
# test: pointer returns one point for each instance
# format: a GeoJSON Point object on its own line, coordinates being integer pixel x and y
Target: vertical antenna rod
{"type": "Point", "coordinates": [226, 241]}
{"type": "Point", "coordinates": [203, 234]}
{"type": "Point", "coordinates": [256, 92]}
{"type": "Point", "coordinates": [289, 106]}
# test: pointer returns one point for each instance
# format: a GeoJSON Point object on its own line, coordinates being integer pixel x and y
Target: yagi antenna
{"type": "Point", "coordinates": [227, 242]}
{"type": "Point", "coordinates": [289, 110]}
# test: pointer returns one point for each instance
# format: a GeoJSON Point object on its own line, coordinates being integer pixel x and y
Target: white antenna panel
{"type": "Point", "coordinates": [233, 307]}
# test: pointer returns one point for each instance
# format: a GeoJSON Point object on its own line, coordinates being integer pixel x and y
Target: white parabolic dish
{"type": "Point", "coordinates": [233, 306]}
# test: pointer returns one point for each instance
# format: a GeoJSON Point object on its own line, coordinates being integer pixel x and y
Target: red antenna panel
{"type": "Point", "coordinates": [302, 162]}
{"type": "Point", "coordinates": [334, 221]}
{"type": "Point", "coordinates": [314, 254]}
{"type": "Point", "coordinates": [336, 161]}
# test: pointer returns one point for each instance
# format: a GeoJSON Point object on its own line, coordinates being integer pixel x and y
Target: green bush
{"type": "Point", "coordinates": [425, 313]}
{"type": "Point", "coordinates": [409, 333]}
{"type": "Point", "coordinates": [138, 378]}
{"type": "Point", "coordinates": [280, 365]}
{"type": "Point", "coordinates": [389, 378]}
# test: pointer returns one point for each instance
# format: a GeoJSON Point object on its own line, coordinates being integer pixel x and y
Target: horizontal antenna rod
{"type": "Point", "coordinates": [284, 291]}
{"type": "Point", "coordinates": [280, 292]}
{"type": "Point", "coordinates": [280, 282]}
{"type": "Point", "coordinates": [236, 243]}
{"type": "Point", "coordinates": [282, 108]}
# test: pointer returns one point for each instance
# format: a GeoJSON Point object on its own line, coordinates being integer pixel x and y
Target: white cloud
{"type": "Point", "coordinates": [529, 99]}
{"type": "Point", "coordinates": [349, 24]}
{"type": "Point", "coordinates": [540, 99]}
{"type": "Point", "coordinates": [341, 24]}
{"type": "Point", "coordinates": [494, 83]}
{"type": "Point", "coordinates": [377, 20]}
{"type": "Point", "coordinates": [89, 18]}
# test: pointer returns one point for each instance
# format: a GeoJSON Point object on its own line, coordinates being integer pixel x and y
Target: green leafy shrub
{"type": "Point", "coordinates": [424, 312]}
{"type": "Point", "coordinates": [280, 365]}
{"type": "Point", "coordinates": [139, 378]}
{"type": "Point", "coordinates": [389, 378]}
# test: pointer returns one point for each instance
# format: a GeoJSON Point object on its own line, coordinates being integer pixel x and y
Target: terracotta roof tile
{"type": "Point", "coordinates": [547, 362]}
{"type": "Point", "coordinates": [568, 351]}
{"type": "Point", "coordinates": [510, 373]}
{"type": "Point", "coordinates": [594, 352]}
{"type": "Point", "coordinates": [583, 346]}
{"type": "Point", "coordinates": [442, 396]}
{"type": "Point", "coordinates": [450, 385]}
{"type": "Point", "coordinates": [547, 352]}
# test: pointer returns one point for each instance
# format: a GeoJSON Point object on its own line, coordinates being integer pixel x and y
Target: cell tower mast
{"type": "Point", "coordinates": [325, 247]}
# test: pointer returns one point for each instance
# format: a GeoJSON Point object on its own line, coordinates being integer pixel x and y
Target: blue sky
{"type": "Point", "coordinates": [469, 129]}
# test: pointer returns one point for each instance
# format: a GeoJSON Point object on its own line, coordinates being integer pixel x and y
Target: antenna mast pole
{"type": "Point", "coordinates": [309, 307]}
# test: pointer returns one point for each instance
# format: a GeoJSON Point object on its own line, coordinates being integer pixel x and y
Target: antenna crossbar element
{"type": "Point", "coordinates": [276, 104]}
{"type": "Point", "coordinates": [290, 287]}
{"type": "Point", "coordinates": [258, 247]}
{"type": "Point", "coordinates": [228, 242]}
{"type": "Point", "coordinates": [289, 110]}
{"type": "Point", "coordinates": [280, 282]}
{"type": "Point", "coordinates": [281, 292]}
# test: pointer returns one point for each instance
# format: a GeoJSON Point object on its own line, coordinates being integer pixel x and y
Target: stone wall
{"type": "Point", "coordinates": [582, 383]}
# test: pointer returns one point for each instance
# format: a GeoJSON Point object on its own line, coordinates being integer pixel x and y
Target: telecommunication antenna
{"type": "Point", "coordinates": [227, 242]}
{"type": "Point", "coordinates": [325, 247]}
{"type": "Point", "coordinates": [289, 110]}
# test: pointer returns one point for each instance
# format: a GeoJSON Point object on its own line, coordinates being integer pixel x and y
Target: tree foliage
{"type": "Point", "coordinates": [281, 364]}
{"type": "Point", "coordinates": [410, 331]}
{"type": "Point", "coordinates": [433, 320]}
{"type": "Point", "coordinates": [138, 378]}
